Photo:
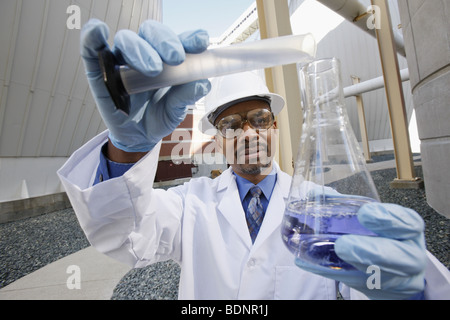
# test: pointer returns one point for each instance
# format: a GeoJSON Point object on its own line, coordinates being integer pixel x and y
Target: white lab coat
{"type": "Point", "coordinates": [201, 225]}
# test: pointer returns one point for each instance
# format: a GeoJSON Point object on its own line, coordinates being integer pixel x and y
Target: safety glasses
{"type": "Point", "coordinates": [257, 119]}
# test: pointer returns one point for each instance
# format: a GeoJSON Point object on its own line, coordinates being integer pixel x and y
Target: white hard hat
{"type": "Point", "coordinates": [231, 89]}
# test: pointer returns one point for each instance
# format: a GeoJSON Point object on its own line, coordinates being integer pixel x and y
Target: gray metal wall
{"type": "Point", "coordinates": [427, 42]}
{"type": "Point", "coordinates": [46, 109]}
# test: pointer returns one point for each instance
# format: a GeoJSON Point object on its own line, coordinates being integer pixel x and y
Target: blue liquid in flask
{"type": "Point", "coordinates": [310, 229]}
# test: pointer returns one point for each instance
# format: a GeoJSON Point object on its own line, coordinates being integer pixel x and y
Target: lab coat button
{"type": "Point", "coordinates": [251, 263]}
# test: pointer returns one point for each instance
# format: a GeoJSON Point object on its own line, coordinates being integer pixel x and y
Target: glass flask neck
{"type": "Point", "coordinates": [323, 91]}
{"type": "Point", "coordinates": [329, 153]}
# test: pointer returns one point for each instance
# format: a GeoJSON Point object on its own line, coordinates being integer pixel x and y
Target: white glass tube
{"type": "Point", "coordinates": [225, 60]}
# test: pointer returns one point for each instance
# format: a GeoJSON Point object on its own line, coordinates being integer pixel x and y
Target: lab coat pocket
{"type": "Point", "coordinates": [292, 283]}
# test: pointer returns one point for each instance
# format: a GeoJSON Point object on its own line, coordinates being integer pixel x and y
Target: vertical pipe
{"type": "Point", "coordinates": [362, 123]}
{"type": "Point", "coordinates": [406, 177]}
{"type": "Point", "coordinates": [274, 21]}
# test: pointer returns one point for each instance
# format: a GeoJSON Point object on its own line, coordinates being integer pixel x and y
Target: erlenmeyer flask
{"type": "Point", "coordinates": [331, 181]}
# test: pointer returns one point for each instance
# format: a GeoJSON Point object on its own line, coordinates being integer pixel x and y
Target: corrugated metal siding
{"type": "Point", "coordinates": [46, 108]}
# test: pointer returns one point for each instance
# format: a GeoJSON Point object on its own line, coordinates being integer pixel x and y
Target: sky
{"type": "Point", "coordinates": [215, 16]}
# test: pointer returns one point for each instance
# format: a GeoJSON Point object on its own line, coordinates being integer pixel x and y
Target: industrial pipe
{"type": "Point", "coordinates": [358, 14]}
{"type": "Point", "coordinates": [370, 85]}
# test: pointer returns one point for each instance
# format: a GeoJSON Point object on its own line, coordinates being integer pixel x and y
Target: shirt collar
{"type": "Point", "coordinates": [266, 185]}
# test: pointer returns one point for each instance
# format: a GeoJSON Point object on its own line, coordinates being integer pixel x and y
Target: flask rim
{"type": "Point", "coordinates": [321, 65]}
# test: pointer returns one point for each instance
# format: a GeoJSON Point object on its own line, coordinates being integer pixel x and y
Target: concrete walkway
{"type": "Point", "coordinates": [84, 275]}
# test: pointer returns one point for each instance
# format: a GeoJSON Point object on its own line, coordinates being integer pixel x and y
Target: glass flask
{"type": "Point", "coordinates": [331, 181]}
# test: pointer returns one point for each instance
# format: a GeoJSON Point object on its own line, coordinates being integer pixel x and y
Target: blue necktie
{"type": "Point", "coordinates": [255, 212]}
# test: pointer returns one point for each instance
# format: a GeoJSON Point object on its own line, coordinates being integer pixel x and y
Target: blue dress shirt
{"type": "Point", "coordinates": [108, 169]}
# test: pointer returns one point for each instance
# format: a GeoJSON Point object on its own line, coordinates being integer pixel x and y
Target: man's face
{"type": "Point", "coordinates": [248, 150]}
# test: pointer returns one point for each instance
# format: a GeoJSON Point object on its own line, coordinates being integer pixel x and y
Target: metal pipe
{"type": "Point", "coordinates": [406, 176]}
{"type": "Point", "coordinates": [358, 14]}
{"type": "Point", "coordinates": [371, 85]}
{"type": "Point", "coordinates": [362, 123]}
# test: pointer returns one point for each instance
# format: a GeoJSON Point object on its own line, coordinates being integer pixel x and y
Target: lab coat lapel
{"type": "Point", "coordinates": [231, 208]}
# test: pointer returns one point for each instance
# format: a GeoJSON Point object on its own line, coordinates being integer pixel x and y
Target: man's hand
{"type": "Point", "coordinates": [153, 114]}
{"type": "Point", "coordinates": [398, 251]}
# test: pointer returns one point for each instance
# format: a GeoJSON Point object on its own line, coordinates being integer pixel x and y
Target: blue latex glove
{"type": "Point", "coordinates": [398, 251]}
{"type": "Point", "coordinates": [153, 114]}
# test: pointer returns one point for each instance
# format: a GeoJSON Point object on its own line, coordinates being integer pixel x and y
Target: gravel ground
{"type": "Point", "coordinates": [30, 244]}
{"type": "Point", "coordinates": [437, 227]}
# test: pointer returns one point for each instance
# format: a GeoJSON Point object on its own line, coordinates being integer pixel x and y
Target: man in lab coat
{"type": "Point", "coordinates": [224, 233]}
